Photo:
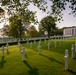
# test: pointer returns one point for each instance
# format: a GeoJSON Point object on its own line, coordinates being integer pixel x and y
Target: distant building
{"type": "Point", "coordinates": [70, 31]}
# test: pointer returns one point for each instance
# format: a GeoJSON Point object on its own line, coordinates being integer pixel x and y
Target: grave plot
{"type": "Point", "coordinates": [55, 61]}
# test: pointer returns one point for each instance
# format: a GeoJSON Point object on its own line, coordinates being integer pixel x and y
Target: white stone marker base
{"type": "Point", "coordinates": [66, 62]}
{"type": "Point", "coordinates": [48, 46]}
{"type": "Point", "coordinates": [23, 54]}
{"type": "Point", "coordinates": [55, 42]}
{"type": "Point", "coordinates": [39, 49]}
{"type": "Point", "coordinates": [27, 43]}
{"type": "Point", "coordinates": [30, 44]}
{"type": "Point", "coordinates": [45, 41]}
{"type": "Point", "coordinates": [34, 42]}
{"type": "Point", "coordinates": [2, 51]}
{"type": "Point", "coordinates": [72, 51]}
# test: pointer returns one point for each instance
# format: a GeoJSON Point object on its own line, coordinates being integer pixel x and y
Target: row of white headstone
{"type": "Point", "coordinates": [39, 46]}
{"type": "Point", "coordinates": [49, 43]}
{"type": "Point", "coordinates": [73, 49]}
{"type": "Point", "coordinates": [23, 51]}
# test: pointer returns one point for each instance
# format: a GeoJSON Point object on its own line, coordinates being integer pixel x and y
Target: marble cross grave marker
{"type": "Point", "coordinates": [72, 51]}
{"type": "Point", "coordinates": [19, 45]}
{"type": "Point", "coordinates": [45, 41]}
{"type": "Point", "coordinates": [55, 42]}
{"type": "Point", "coordinates": [48, 45]}
{"type": "Point", "coordinates": [30, 44]}
{"type": "Point", "coordinates": [34, 42]}
{"type": "Point", "coordinates": [66, 59]}
{"type": "Point", "coordinates": [23, 54]}
{"type": "Point", "coordinates": [27, 43]}
{"type": "Point", "coordinates": [2, 51]}
{"type": "Point", "coordinates": [39, 48]}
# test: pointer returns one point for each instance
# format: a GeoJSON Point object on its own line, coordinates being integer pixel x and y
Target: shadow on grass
{"type": "Point", "coordinates": [8, 52]}
{"type": "Point", "coordinates": [2, 62]}
{"type": "Point", "coordinates": [35, 49]}
{"type": "Point", "coordinates": [74, 58]}
{"type": "Point", "coordinates": [33, 71]}
{"type": "Point", "coordinates": [61, 48]}
{"type": "Point", "coordinates": [74, 73]}
{"type": "Point", "coordinates": [52, 59]}
{"type": "Point", "coordinates": [26, 56]}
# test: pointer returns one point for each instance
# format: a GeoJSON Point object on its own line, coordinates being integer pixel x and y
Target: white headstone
{"type": "Point", "coordinates": [55, 42]}
{"type": "Point", "coordinates": [30, 44]}
{"type": "Point", "coordinates": [23, 54]}
{"type": "Point", "coordinates": [19, 40]}
{"type": "Point", "coordinates": [39, 43]}
{"type": "Point", "coordinates": [40, 40]}
{"type": "Point", "coordinates": [66, 59]}
{"type": "Point", "coordinates": [27, 43]}
{"type": "Point", "coordinates": [23, 39]}
{"type": "Point", "coordinates": [45, 41]}
{"type": "Point", "coordinates": [2, 51]}
{"type": "Point", "coordinates": [66, 62]}
{"type": "Point", "coordinates": [48, 45]}
{"type": "Point", "coordinates": [19, 45]}
{"type": "Point", "coordinates": [66, 53]}
{"type": "Point", "coordinates": [34, 42]}
{"type": "Point", "coordinates": [72, 51]}
{"type": "Point", "coordinates": [39, 49]}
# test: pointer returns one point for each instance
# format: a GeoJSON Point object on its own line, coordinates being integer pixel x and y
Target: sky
{"type": "Point", "coordinates": [69, 20]}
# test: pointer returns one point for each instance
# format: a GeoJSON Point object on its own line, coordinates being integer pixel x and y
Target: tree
{"type": "Point", "coordinates": [5, 30]}
{"type": "Point", "coordinates": [57, 6]}
{"type": "Point", "coordinates": [20, 22]}
{"type": "Point", "coordinates": [57, 32]}
{"type": "Point", "coordinates": [32, 31]}
{"type": "Point", "coordinates": [1, 11]}
{"type": "Point", "coordinates": [17, 27]}
{"type": "Point", "coordinates": [47, 24]}
{"type": "Point", "coordinates": [2, 16]}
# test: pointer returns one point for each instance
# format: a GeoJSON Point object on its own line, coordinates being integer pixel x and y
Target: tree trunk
{"type": "Point", "coordinates": [48, 35]}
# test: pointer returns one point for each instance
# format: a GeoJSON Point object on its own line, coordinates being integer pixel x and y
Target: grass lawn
{"type": "Point", "coordinates": [49, 62]}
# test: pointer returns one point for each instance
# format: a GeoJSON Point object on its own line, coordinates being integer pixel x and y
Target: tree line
{"type": "Point", "coordinates": [20, 17]}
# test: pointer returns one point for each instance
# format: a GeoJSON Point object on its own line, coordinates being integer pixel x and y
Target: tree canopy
{"type": "Point", "coordinates": [56, 6]}
{"type": "Point", "coordinates": [32, 32]}
{"type": "Point", "coordinates": [5, 30]}
{"type": "Point", "coordinates": [18, 25]}
{"type": "Point", "coordinates": [47, 24]}
{"type": "Point", "coordinates": [1, 11]}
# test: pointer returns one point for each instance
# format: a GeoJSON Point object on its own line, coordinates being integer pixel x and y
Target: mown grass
{"type": "Point", "coordinates": [49, 62]}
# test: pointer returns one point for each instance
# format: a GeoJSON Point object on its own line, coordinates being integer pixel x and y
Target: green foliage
{"type": "Point", "coordinates": [47, 24]}
{"type": "Point", "coordinates": [1, 11]}
{"type": "Point", "coordinates": [5, 30]}
{"type": "Point", "coordinates": [2, 16]}
{"type": "Point", "coordinates": [16, 27]}
{"type": "Point", "coordinates": [57, 32]}
{"type": "Point", "coordinates": [56, 6]}
{"type": "Point", "coordinates": [32, 31]}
